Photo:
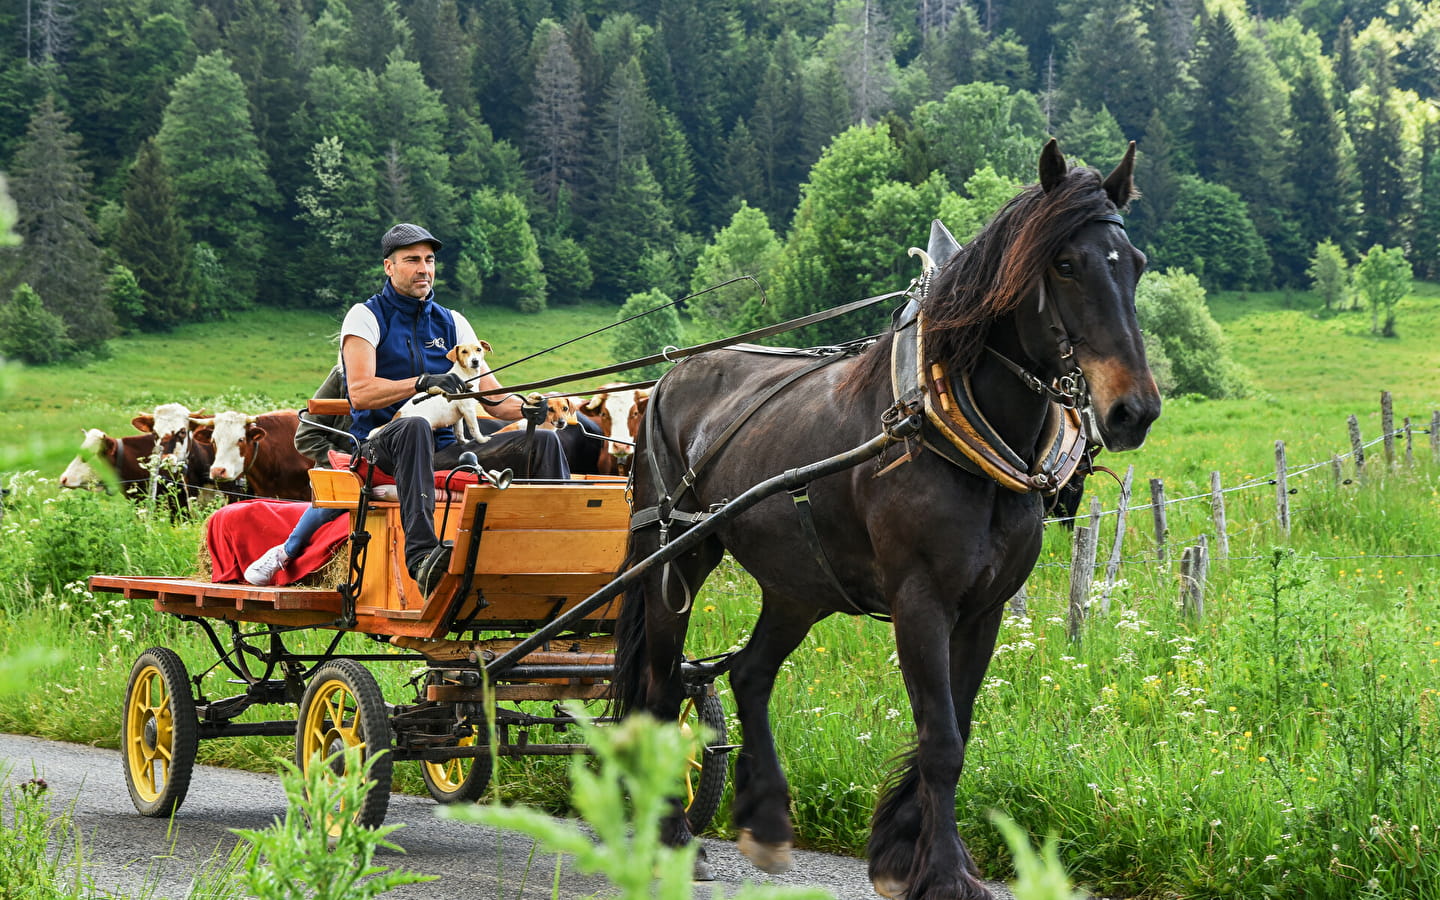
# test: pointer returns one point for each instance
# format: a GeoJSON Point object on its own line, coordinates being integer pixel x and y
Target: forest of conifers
{"type": "Point", "coordinates": [174, 159]}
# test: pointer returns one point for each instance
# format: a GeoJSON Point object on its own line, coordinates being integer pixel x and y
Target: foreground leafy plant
{"type": "Point", "coordinates": [640, 761]}
{"type": "Point", "coordinates": [319, 852]}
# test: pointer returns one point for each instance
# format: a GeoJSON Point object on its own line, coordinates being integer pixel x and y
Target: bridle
{"type": "Point", "coordinates": [1070, 389]}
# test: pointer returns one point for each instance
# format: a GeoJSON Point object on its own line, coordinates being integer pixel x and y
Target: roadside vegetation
{"type": "Point", "coordinates": [1285, 744]}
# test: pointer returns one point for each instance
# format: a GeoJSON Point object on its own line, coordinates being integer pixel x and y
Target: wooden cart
{"type": "Point", "coordinates": [525, 555]}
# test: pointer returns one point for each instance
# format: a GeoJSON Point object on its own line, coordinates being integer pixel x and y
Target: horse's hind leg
{"type": "Point", "coordinates": [761, 810]}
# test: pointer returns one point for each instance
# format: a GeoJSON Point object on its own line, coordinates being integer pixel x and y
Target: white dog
{"type": "Point", "coordinates": [469, 364]}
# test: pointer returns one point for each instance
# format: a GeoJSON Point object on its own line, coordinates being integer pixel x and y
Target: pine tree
{"type": "Point", "coordinates": [60, 258]}
{"type": "Point", "coordinates": [740, 176]}
{"type": "Point", "coordinates": [630, 219]}
{"type": "Point", "coordinates": [649, 334]}
{"type": "Point", "coordinates": [1119, 78]}
{"type": "Point", "coordinates": [1383, 159]}
{"type": "Point", "coordinates": [445, 55]}
{"type": "Point", "coordinates": [154, 245]}
{"type": "Point", "coordinates": [415, 119]}
{"type": "Point", "coordinates": [775, 125]}
{"type": "Point", "coordinates": [221, 175]}
{"type": "Point", "coordinates": [1317, 164]}
{"type": "Point", "coordinates": [555, 125]}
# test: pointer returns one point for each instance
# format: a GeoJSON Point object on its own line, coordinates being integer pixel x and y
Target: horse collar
{"type": "Point", "coordinates": [968, 439]}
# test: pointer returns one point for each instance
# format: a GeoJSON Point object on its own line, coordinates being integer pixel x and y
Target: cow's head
{"type": "Point", "coordinates": [95, 444]}
{"type": "Point", "coordinates": [618, 414]}
{"type": "Point", "coordinates": [234, 436]}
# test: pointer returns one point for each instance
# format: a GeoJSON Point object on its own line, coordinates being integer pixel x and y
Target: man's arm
{"type": "Point", "coordinates": [368, 390]}
{"type": "Point", "coordinates": [509, 405]}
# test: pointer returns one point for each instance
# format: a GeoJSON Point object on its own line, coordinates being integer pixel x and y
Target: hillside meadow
{"type": "Point", "coordinates": [1285, 744]}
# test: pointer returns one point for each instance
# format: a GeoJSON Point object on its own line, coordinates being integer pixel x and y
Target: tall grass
{"type": "Point", "coordinates": [1283, 745]}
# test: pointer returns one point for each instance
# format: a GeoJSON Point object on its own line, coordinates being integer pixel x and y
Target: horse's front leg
{"type": "Point", "coordinates": [761, 809]}
{"type": "Point", "coordinates": [915, 850]}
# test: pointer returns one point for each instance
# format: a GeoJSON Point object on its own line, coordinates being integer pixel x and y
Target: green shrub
{"type": "Point", "coordinates": [31, 333]}
{"type": "Point", "coordinates": [1172, 309]}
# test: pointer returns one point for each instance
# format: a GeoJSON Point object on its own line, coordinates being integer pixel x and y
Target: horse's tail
{"type": "Point", "coordinates": [629, 684]}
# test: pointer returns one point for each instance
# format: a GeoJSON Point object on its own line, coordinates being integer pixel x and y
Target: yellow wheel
{"type": "Point", "coordinates": [159, 732]}
{"type": "Point", "coordinates": [705, 771]}
{"type": "Point", "coordinates": [457, 780]}
{"type": "Point", "coordinates": [343, 708]}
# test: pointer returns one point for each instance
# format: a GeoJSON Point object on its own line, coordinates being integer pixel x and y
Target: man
{"type": "Point", "coordinates": [393, 347]}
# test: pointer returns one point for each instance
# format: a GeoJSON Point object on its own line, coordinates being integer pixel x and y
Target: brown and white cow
{"type": "Point", "coordinates": [259, 448]}
{"type": "Point", "coordinates": [618, 413]}
{"type": "Point", "coordinates": [176, 459]}
{"type": "Point", "coordinates": [125, 457]}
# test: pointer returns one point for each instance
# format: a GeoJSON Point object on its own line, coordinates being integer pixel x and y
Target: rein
{"type": "Point", "coordinates": [673, 355]}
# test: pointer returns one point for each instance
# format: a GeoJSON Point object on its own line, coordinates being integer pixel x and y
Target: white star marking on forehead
{"type": "Point", "coordinates": [1113, 256]}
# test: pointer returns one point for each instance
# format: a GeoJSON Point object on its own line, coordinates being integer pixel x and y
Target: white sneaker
{"type": "Point", "coordinates": [262, 571]}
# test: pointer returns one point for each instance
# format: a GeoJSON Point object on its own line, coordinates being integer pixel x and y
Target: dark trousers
{"type": "Point", "coordinates": [511, 451]}
{"type": "Point", "coordinates": [405, 450]}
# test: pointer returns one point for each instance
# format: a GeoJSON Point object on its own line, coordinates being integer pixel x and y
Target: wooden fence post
{"type": "Point", "coordinates": [1387, 425]}
{"type": "Point", "coordinates": [1337, 469]}
{"type": "Point", "coordinates": [1082, 569]}
{"type": "Point", "coordinates": [1217, 515]}
{"type": "Point", "coordinates": [1409, 442]}
{"type": "Point", "coordinates": [1157, 506]}
{"type": "Point", "coordinates": [1282, 492]}
{"type": "Point", "coordinates": [1357, 447]}
{"type": "Point", "coordinates": [1194, 568]}
{"type": "Point", "coordinates": [1016, 604]}
{"type": "Point", "coordinates": [1112, 566]}
{"type": "Point", "coordinates": [1435, 435]}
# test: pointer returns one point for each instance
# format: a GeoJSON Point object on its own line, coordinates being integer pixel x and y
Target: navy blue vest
{"type": "Point", "coordinates": [415, 335]}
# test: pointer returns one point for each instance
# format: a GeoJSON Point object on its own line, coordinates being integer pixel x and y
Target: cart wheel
{"type": "Point", "coordinates": [343, 707]}
{"type": "Point", "coordinates": [457, 780]}
{"type": "Point", "coordinates": [159, 732]}
{"type": "Point", "coordinates": [705, 774]}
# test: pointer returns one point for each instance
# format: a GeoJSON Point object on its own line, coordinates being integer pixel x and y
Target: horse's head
{"type": "Point", "coordinates": [1085, 299]}
{"type": "Point", "coordinates": [1056, 264]}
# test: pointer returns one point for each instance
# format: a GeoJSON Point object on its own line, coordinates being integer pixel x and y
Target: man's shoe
{"type": "Point", "coordinates": [263, 570]}
{"type": "Point", "coordinates": [432, 567]}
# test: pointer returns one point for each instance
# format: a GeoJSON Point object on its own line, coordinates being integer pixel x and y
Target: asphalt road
{"type": "Point", "coordinates": [158, 858]}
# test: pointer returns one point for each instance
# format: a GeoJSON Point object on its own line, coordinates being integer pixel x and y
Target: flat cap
{"type": "Point", "coordinates": [403, 235]}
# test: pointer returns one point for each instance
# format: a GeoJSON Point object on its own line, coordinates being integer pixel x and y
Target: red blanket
{"type": "Point", "coordinates": [237, 534]}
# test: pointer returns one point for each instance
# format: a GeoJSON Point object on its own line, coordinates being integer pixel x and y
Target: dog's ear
{"type": "Point", "coordinates": [454, 354]}
{"type": "Point", "coordinates": [485, 345]}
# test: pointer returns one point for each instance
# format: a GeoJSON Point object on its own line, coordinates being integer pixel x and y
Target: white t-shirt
{"type": "Point", "coordinates": [361, 322]}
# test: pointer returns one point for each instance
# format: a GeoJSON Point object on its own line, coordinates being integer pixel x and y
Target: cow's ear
{"type": "Point", "coordinates": [145, 423]}
{"type": "Point", "coordinates": [203, 435]}
{"type": "Point", "coordinates": [254, 434]}
{"type": "Point", "coordinates": [592, 405]}
{"type": "Point", "coordinates": [107, 448]}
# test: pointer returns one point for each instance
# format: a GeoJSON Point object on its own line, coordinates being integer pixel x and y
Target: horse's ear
{"type": "Point", "coordinates": [1119, 184]}
{"type": "Point", "coordinates": [1053, 167]}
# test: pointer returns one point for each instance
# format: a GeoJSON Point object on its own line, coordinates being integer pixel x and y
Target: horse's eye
{"type": "Point", "coordinates": [1065, 268]}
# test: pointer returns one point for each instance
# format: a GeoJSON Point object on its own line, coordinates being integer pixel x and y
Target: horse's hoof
{"type": "Point", "coordinates": [772, 859]}
{"type": "Point", "coordinates": [890, 888]}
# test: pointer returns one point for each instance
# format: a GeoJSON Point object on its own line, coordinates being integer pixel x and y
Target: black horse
{"type": "Point", "coordinates": [1043, 296]}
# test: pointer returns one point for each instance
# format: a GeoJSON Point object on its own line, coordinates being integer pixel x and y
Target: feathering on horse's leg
{"type": "Point", "coordinates": [915, 849]}
{"type": "Point", "coordinates": [761, 809]}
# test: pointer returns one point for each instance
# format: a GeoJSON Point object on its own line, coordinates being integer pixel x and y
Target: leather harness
{"type": "Point", "coordinates": [956, 429]}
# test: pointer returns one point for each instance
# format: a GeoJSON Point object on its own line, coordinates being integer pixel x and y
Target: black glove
{"type": "Point", "coordinates": [445, 383]}
{"type": "Point", "coordinates": [534, 408]}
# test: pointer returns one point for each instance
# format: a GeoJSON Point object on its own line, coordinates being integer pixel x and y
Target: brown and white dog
{"type": "Point", "coordinates": [559, 412]}
{"type": "Point", "coordinates": [469, 364]}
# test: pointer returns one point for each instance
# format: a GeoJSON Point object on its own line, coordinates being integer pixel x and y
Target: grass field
{"type": "Point", "coordinates": [1283, 745]}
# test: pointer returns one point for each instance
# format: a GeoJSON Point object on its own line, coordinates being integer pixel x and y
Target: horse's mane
{"type": "Point", "coordinates": [996, 270]}
{"type": "Point", "coordinates": [1003, 264]}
